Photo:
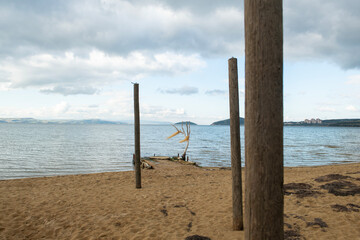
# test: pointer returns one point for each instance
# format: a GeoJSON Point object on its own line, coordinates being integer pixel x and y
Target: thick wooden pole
{"type": "Point", "coordinates": [137, 135]}
{"type": "Point", "coordinates": [235, 145]}
{"type": "Point", "coordinates": [264, 201]}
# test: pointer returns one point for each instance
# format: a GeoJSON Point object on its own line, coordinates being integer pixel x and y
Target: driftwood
{"type": "Point", "coordinates": [146, 164]}
{"type": "Point", "coordinates": [174, 159]}
{"type": "Point", "coordinates": [143, 163]}
{"type": "Point", "coordinates": [185, 162]}
{"type": "Point", "coordinates": [159, 158]}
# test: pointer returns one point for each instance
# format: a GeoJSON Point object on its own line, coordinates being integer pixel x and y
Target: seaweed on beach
{"type": "Point", "coordinates": [164, 211]}
{"type": "Point", "coordinates": [353, 206]}
{"type": "Point", "coordinates": [299, 217]}
{"type": "Point", "coordinates": [179, 206]}
{"type": "Point", "coordinates": [340, 208]}
{"type": "Point", "coordinates": [296, 216]}
{"type": "Point", "coordinates": [331, 177]}
{"type": "Point", "coordinates": [300, 190]}
{"type": "Point", "coordinates": [197, 237]}
{"type": "Point", "coordinates": [292, 232]}
{"type": "Point", "coordinates": [292, 235]}
{"type": "Point", "coordinates": [189, 227]}
{"type": "Point", "coordinates": [348, 208]}
{"type": "Point", "coordinates": [225, 168]}
{"type": "Point", "coordinates": [288, 225]}
{"type": "Point", "coordinates": [117, 224]}
{"type": "Point", "coordinates": [191, 212]}
{"type": "Point", "coordinates": [317, 222]}
{"type": "Point", "coordinates": [296, 186]}
{"type": "Point", "coordinates": [341, 188]}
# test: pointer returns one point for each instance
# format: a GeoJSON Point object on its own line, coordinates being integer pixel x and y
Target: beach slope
{"type": "Point", "coordinates": [176, 201]}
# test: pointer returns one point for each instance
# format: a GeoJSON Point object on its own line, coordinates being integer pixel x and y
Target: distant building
{"type": "Point", "coordinates": [312, 121]}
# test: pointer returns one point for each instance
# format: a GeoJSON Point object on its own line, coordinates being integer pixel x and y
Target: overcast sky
{"type": "Point", "coordinates": [76, 59]}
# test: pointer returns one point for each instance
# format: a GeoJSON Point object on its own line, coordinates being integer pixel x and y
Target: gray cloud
{"type": "Point", "coordinates": [93, 71]}
{"type": "Point", "coordinates": [216, 92]}
{"type": "Point", "coordinates": [185, 90]}
{"type": "Point", "coordinates": [119, 26]}
{"type": "Point", "coordinates": [323, 30]}
{"type": "Point", "coordinates": [70, 90]}
{"type": "Point", "coordinates": [49, 44]}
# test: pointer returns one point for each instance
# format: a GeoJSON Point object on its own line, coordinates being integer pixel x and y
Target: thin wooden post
{"type": "Point", "coordinates": [235, 146]}
{"type": "Point", "coordinates": [137, 136]}
{"type": "Point", "coordinates": [264, 200]}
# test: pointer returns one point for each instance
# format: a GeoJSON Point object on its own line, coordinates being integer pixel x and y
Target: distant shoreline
{"type": "Point", "coordinates": [326, 123]}
{"type": "Point", "coordinates": [226, 122]}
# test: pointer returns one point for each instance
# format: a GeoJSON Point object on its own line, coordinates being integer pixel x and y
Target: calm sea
{"type": "Point", "coordinates": [33, 150]}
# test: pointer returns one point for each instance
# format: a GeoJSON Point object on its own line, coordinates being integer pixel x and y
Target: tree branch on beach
{"type": "Point", "coordinates": [186, 134]}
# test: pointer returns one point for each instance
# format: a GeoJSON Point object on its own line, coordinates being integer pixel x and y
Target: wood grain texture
{"type": "Point", "coordinates": [264, 202]}
{"type": "Point", "coordinates": [137, 136]}
{"type": "Point", "coordinates": [235, 145]}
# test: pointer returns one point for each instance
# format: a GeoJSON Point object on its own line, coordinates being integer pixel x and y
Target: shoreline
{"type": "Point", "coordinates": [176, 201]}
{"type": "Point", "coordinates": [199, 166]}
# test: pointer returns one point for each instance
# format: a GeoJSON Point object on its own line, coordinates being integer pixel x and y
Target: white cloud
{"type": "Point", "coordinates": [61, 108]}
{"type": "Point", "coordinates": [351, 108]}
{"type": "Point", "coordinates": [161, 113]}
{"type": "Point", "coordinates": [242, 92]}
{"type": "Point", "coordinates": [82, 47]}
{"type": "Point", "coordinates": [326, 109]}
{"type": "Point", "coordinates": [185, 90]}
{"type": "Point", "coordinates": [71, 74]}
{"type": "Point", "coordinates": [4, 86]}
{"type": "Point", "coordinates": [118, 106]}
{"type": "Point", "coordinates": [354, 79]}
{"type": "Point", "coordinates": [208, 28]}
{"type": "Point", "coordinates": [216, 92]}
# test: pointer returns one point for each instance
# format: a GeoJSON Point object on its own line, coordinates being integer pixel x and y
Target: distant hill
{"type": "Point", "coordinates": [191, 123]}
{"type": "Point", "coordinates": [33, 121]}
{"type": "Point", "coordinates": [227, 122]}
{"type": "Point", "coordinates": [341, 122]}
{"type": "Point", "coordinates": [328, 123]}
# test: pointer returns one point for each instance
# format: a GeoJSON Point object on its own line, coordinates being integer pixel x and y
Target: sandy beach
{"type": "Point", "coordinates": [176, 201]}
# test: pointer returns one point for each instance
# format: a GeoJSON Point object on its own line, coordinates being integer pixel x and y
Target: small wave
{"type": "Point", "coordinates": [345, 154]}
{"type": "Point", "coordinates": [332, 146]}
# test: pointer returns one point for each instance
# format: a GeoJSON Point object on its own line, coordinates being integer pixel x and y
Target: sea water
{"type": "Point", "coordinates": [35, 150]}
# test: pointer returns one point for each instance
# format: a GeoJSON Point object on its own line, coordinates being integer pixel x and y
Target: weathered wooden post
{"type": "Point", "coordinates": [235, 145]}
{"type": "Point", "coordinates": [264, 201]}
{"type": "Point", "coordinates": [137, 135]}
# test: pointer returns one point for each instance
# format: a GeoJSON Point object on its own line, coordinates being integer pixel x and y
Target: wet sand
{"type": "Point", "coordinates": [176, 201]}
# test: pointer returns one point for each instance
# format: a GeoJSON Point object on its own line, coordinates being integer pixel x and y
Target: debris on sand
{"type": "Point", "coordinates": [301, 190]}
{"type": "Point", "coordinates": [348, 208]}
{"type": "Point", "coordinates": [197, 237]}
{"type": "Point", "coordinates": [341, 188]}
{"type": "Point", "coordinates": [331, 177]}
{"type": "Point", "coordinates": [317, 222]}
{"type": "Point", "coordinates": [164, 211]}
{"type": "Point", "coordinates": [292, 235]}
